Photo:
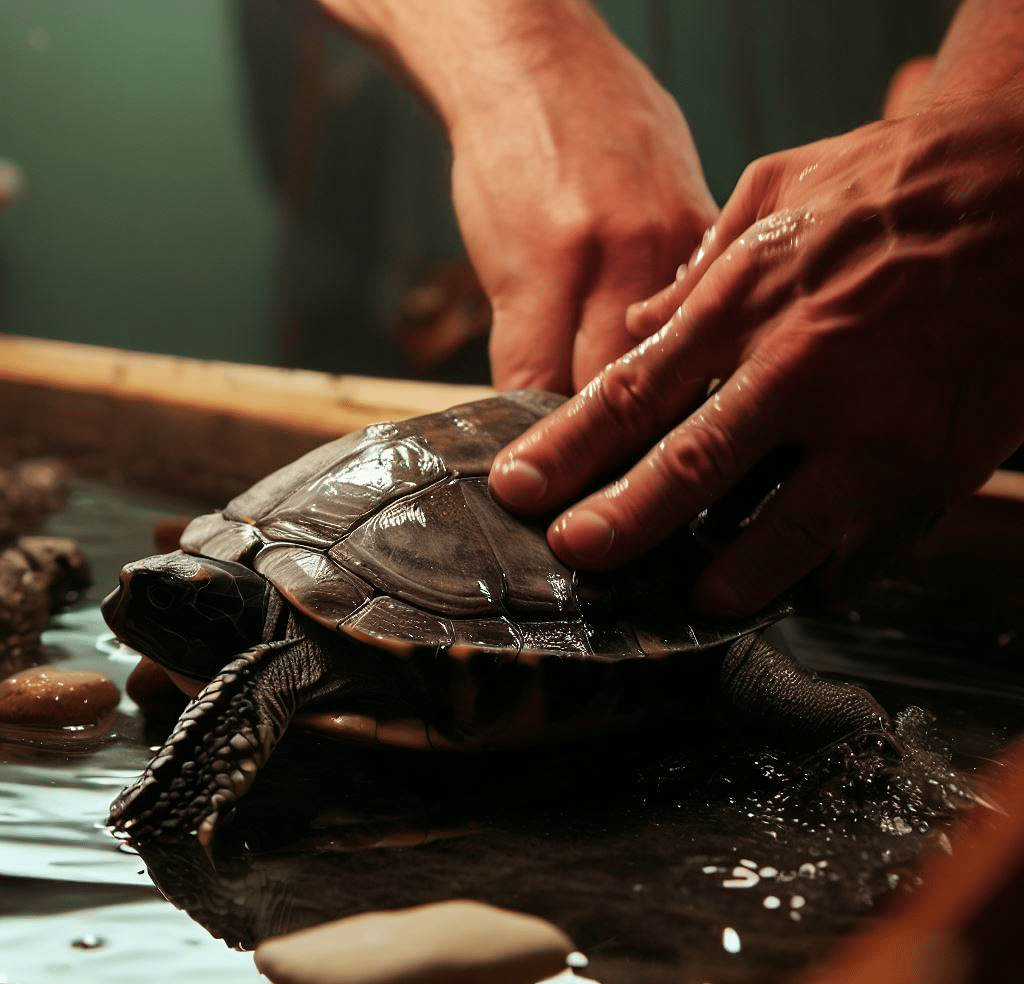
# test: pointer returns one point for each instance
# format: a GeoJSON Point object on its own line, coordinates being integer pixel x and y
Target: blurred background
{"type": "Point", "coordinates": [236, 179]}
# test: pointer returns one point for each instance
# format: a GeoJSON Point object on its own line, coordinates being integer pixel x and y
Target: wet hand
{"type": "Point", "coordinates": [859, 299]}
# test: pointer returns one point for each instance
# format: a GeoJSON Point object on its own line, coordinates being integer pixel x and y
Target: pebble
{"type": "Point", "coordinates": [457, 942]}
{"type": "Point", "coordinates": [152, 689]}
{"type": "Point", "coordinates": [50, 698]}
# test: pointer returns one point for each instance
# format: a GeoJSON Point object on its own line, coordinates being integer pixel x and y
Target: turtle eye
{"type": "Point", "coordinates": [160, 596]}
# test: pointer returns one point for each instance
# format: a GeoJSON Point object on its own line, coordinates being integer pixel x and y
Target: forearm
{"type": "Point", "coordinates": [983, 50]}
{"type": "Point", "coordinates": [463, 54]}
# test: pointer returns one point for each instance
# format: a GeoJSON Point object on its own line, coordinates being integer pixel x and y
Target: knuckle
{"type": "Point", "coordinates": [760, 179]}
{"type": "Point", "coordinates": [626, 398]}
{"type": "Point", "coordinates": [572, 227]}
{"type": "Point", "coordinates": [700, 454]}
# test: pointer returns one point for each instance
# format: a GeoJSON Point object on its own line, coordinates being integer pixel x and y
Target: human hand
{"type": "Point", "coordinates": [576, 183]}
{"type": "Point", "coordinates": [860, 299]}
{"type": "Point", "coordinates": [577, 189]}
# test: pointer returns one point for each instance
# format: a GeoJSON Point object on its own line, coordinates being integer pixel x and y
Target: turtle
{"type": "Point", "coordinates": [375, 588]}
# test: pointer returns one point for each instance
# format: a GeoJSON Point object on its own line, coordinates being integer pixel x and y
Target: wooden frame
{"type": "Point", "coordinates": [201, 429]}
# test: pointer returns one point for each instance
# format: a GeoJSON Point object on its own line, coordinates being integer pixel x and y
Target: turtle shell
{"type": "Point", "coordinates": [390, 535]}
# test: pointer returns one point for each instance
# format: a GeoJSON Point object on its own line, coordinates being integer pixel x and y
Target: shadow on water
{"type": "Point", "coordinates": [710, 851]}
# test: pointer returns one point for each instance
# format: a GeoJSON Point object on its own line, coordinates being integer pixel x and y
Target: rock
{"type": "Point", "coordinates": [39, 576]}
{"type": "Point", "coordinates": [457, 942]}
{"type": "Point", "coordinates": [30, 490]}
{"type": "Point", "coordinates": [44, 697]}
{"type": "Point", "coordinates": [153, 690]}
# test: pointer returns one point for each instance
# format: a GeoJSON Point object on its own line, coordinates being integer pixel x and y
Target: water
{"type": "Point", "coordinates": [721, 856]}
{"type": "Point", "coordinates": [75, 905]}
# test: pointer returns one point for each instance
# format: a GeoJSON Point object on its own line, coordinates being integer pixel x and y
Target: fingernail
{"type": "Point", "coordinates": [519, 483]}
{"type": "Point", "coordinates": [587, 535]}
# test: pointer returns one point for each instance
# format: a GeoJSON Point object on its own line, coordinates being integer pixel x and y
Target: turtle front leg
{"type": "Point", "coordinates": [766, 684]}
{"type": "Point", "coordinates": [222, 739]}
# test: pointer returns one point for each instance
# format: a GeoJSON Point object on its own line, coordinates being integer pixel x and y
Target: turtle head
{"type": "Point", "coordinates": [190, 614]}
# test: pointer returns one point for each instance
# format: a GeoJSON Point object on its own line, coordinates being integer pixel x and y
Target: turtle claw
{"type": "Point", "coordinates": [208, 762]}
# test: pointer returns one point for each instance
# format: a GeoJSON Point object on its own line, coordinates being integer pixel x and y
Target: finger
{"type": "Point", "coordinates": [691, 467]}
{"type": "Point", "coordinates": [617, 416]}
{"type": "Point", "coordinates": [796, 531]}
{"type": "Point", "coordinates": [630, 405]}
{"type": "Point", "coordinates": [645, 317]}
{"type": "Point", "coordinates": [632, 265]}
{"type": "Point", "coordinates": [602, 337]}
{"type": "Point", "coordinates": [531, 340]}
{"type": "Point", "coordinates": [742, 210]}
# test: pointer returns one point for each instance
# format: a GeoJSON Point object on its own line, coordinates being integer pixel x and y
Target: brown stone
{"type": "Point", "coordinates": [455, 942]}
{"type": "Point", "coordinates": [51, 698]}
{"type": "Point", "coordinates": [152, 689]}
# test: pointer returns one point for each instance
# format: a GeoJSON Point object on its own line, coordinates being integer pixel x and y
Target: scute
{"type": "Point", "coordinates": [222, 539]}
{"type": "Point", "coordinates": [535, 581]}
{"type": "Point", "coordinates": [258, 500]}
{"type": "Point", "coordinates": [398, 627]}
{"type": "Point", "coordinates": [311, 581]}
{"type": "Point", "coordinates": [327, 506]}
{"type": "Point", "coordinates": [429, 550]}
{"type": "Point", "coordinates": [468, 436]}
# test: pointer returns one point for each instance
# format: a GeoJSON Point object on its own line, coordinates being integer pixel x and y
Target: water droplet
{"type": "Point", "coordinates": [88, 942]}
{"type": "Point", "coordinates": [741, 878]}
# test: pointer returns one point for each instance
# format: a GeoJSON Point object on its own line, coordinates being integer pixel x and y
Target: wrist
{"type": "Point", "coordinates": [468, 56]}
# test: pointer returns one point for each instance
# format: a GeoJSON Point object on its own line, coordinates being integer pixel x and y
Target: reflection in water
{"type": "Point", "coordinates": [722, 855]}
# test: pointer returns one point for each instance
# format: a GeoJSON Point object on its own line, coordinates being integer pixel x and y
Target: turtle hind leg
{"type": "Point", "coordinates": [767, 685]}
{"type": "Point", "coordinates": [216, 748]}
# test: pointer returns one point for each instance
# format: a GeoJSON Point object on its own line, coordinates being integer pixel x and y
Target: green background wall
{"type": "Point", "coordinates": [143, 223]}
{"type": "Point", "coordinates": [173, 203]}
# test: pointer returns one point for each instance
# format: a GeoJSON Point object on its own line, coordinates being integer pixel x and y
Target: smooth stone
{"type": "Point", "coordinates": [46, 697]}
{"type": "Point", "coordinates": [149, 686]}
{"type": "Point", "coordinates": [457, 942]}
